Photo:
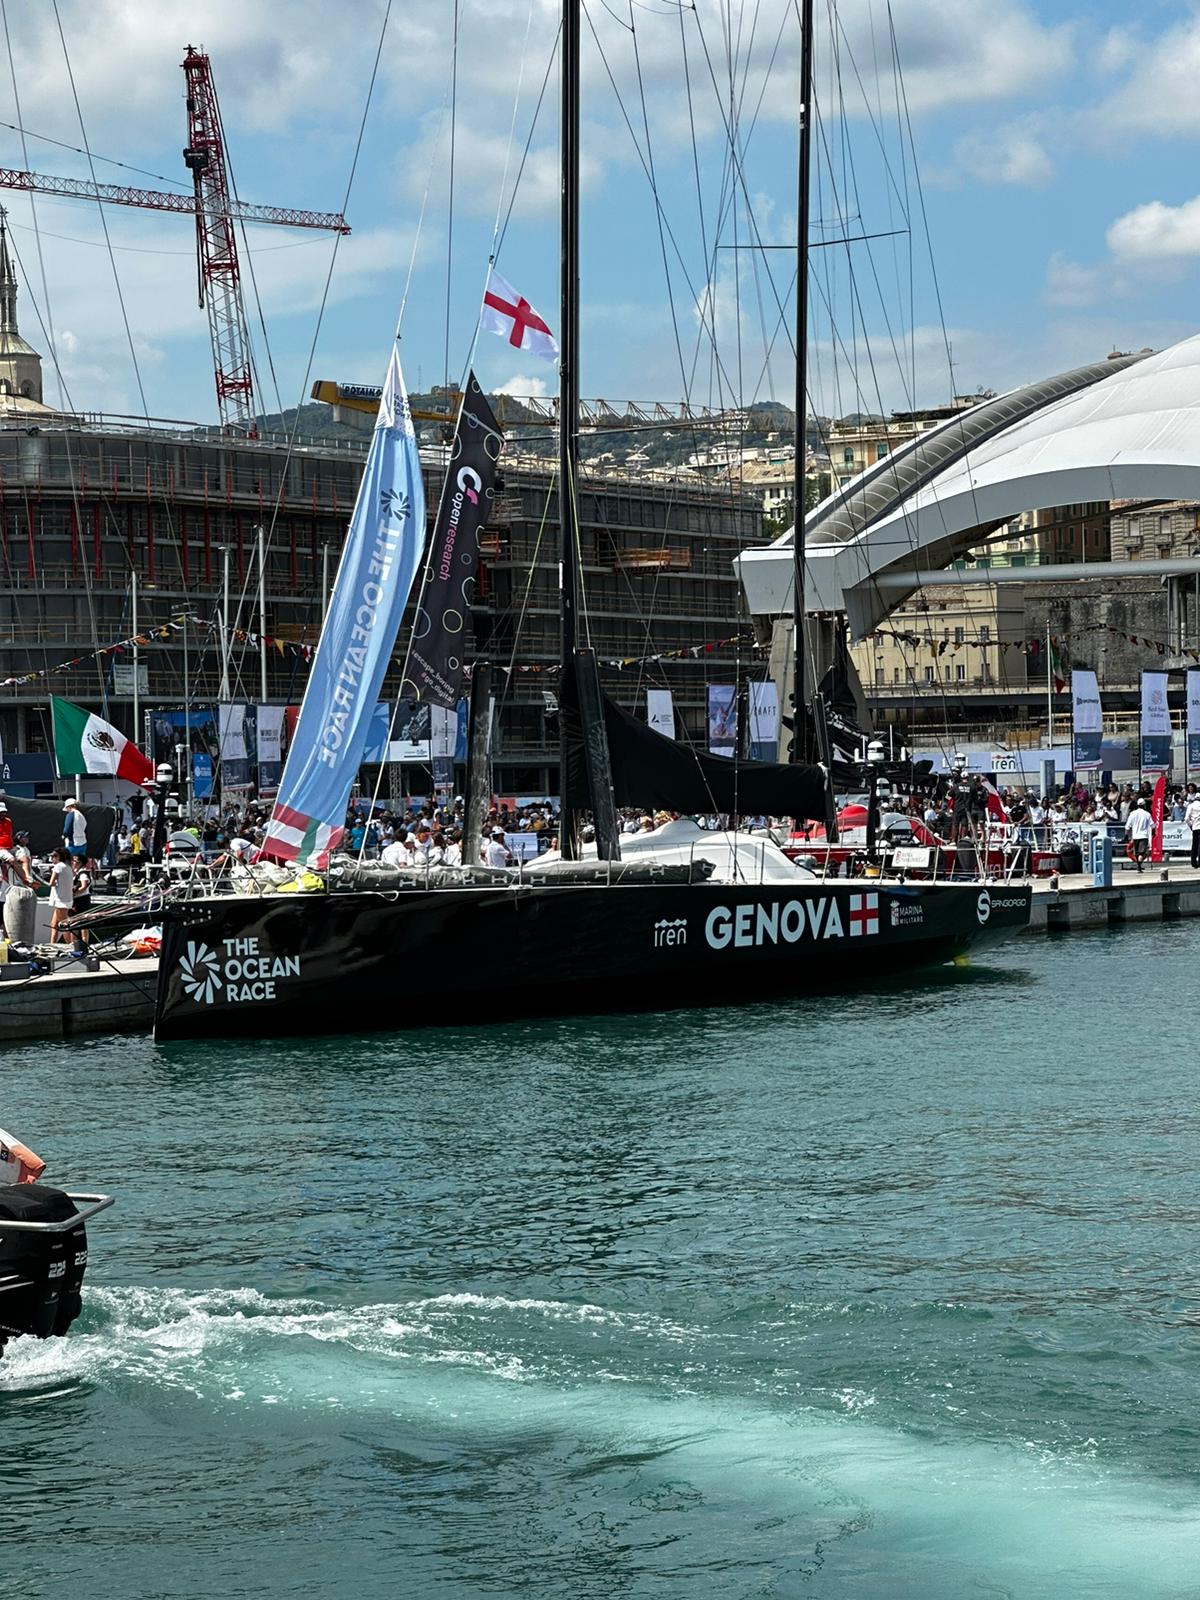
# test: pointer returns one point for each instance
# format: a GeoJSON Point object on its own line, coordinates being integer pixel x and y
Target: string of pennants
{"type": "Point", "coordinates": [691, 652]}
{"type": "Point", "coordinates": [162, 631]}
{"type": "Point", "coordinates": [1026, 647]}
{"type": "Point", "coordinates": [285, 647]}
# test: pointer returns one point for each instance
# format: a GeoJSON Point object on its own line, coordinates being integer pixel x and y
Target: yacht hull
{"type": "Point", "coordinates": [262, 966]}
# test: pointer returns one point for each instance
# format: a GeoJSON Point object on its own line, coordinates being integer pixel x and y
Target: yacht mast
{"type": "Point", "coordinates": [571, 802]}
{"type": "Point", "coordinates": [799, 684]}
{"type": "Point", "coordinates": [585, 775]}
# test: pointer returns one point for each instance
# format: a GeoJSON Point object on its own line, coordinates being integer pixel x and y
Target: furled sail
{"type": "Point", "coordinates": [375, 578]}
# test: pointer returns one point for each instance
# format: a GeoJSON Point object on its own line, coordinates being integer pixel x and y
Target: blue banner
{"type": "Point", "coordinates": [375, 578]}
{"type": "Point", "coordinates": [202, 776]}
{"type": "Point", "coordinates": [1085, 751]}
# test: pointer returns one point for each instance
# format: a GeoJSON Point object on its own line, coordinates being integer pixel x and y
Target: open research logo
{"type": "Point", "coordinates": [200, 973]}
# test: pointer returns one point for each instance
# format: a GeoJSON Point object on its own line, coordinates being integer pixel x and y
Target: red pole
{"type": "Point", "coordinates": [183, 544]}
{"type": "Point", "coordinates": [99, 560]}
{"type": "Point", "coordinates": [74, 543]}
{"type": "Point", "coordinates": [150, 542]}
{"type": "Point", "coordinates": [31, 566]}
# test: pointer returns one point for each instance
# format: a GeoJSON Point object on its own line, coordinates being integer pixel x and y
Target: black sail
{"type": "Point", "coordinates": [436, 658]}
{"type": "Point", "coordinates": [652, 771]}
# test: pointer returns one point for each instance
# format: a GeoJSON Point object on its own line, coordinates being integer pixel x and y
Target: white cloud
{"type": "Point", "coordinates": [1012, 155]}
{"type": "Point", "coordinates": [1158, 95]}
{"type": "Point", "coordinates": [1156, 234]}
{"type": "Point", "coordinates": [1068, 283]}
{"type": "Point", "coordinates": [1116, 50]}
{"type": "Point", "coordinates": [523, 388]}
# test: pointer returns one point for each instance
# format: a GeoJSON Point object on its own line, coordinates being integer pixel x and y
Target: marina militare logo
{"type": "Point", "coordinates": [240, 968]}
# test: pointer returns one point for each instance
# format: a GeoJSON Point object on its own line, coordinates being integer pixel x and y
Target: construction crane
{"type": "Point", "coordinates": [216, 212]}
{"type": "Point", "coordinates": [593, 414]}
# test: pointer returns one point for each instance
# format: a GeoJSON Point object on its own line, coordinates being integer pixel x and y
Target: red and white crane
{"type": "Point", "coordinates": [216, 213]}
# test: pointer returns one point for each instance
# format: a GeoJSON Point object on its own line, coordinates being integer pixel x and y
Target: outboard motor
{"type": "Point", "coordinates": [43, 1257]}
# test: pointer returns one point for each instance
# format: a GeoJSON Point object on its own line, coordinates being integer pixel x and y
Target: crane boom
{"type": "Point", "coordinates": [115, 194]}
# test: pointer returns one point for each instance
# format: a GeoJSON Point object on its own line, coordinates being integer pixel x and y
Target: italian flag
{"type": "Point", "coordinates": [84, 742]}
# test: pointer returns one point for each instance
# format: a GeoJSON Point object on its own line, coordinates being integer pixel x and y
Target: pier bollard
{"type": "Point", "coordinates": [1101, 861]}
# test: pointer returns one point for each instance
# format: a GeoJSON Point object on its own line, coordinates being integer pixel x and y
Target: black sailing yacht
{"type": "Point", "coordinates": [690, 923]}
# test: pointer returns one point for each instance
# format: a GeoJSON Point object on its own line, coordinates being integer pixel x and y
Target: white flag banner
{"type": "Point", "coordinates": [443, 732]}
{"type": "Point", "coordinates": [1156, 723]}
{"type": "Point", "coordinates": [1193, 719]}
{"type": "Point", "coordinates": [660, 712]}
{"type": "Point", "coordinates": [270, 733]}
{"type": "Point", "coordinates": [764, 713]}
{"type": "Point", "coordinates": [511, 316]}
{"type": "Point", "coordinates": [231, 725]}
{"type": "Point", "coordinates": [1087, 721]}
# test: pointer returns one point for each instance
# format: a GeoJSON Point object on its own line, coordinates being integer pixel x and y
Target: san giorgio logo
{"type": "Point", "coordinates": [240, 968]}
{"type": "Point", "coordinates": [983, 906]}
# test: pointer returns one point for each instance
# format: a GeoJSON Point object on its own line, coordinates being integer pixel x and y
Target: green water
{"type": "Point", "coordinates": [892, 1296]}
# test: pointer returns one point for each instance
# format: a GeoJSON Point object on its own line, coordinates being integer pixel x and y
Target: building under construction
{"type": "Point", "coordinates": [99, 514]}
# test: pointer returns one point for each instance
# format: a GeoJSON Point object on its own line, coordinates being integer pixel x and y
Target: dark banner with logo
{"type": "Point", "coordinates": [436, 659]}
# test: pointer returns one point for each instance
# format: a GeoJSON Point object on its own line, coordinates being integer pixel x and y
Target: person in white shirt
{"type": "Point", "coordinates": [1140, 829]}
{"type": "Point", "coordinates": [62, 892]}
{"type": "Point", "coordinates": [1191, 818]}
{"type": "Point", "coordinates": [74, 829]}
{"type": "Point", "coordinates": [495, 853]}
{"type": "Point", "coordinates": [452, 855]}
{"type": "Point", "coordinates": [400, 852]}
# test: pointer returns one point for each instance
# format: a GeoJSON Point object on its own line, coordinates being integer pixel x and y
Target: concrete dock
{"type": "Point", "coordinates": [1134, 897]}
{"type": "Point", "coordinates": [69, 1001]}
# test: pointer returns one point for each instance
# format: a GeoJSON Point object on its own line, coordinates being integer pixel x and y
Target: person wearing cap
{"type": "Point", "coordinates": [74, 829]}
{"type": "Point", "coordinates": [1140, 829]}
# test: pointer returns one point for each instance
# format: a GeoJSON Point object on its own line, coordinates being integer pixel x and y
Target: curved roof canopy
{"type": "Point", "coordinates": [1127, 429]}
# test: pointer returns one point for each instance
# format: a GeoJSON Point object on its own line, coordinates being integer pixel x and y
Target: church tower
{"type": "Point", "coordinates": [20, 364]}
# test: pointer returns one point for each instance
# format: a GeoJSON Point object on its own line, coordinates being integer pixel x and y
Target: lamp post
{"type": "Point", "coordinates": [159, 788]}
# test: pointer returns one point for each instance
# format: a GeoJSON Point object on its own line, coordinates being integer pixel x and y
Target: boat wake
{"type": "Point", "coordinates": [636, 1402]}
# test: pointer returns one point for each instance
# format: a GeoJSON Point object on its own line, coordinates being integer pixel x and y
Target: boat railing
{"type": "Point", "coordinates": [92, 1205]}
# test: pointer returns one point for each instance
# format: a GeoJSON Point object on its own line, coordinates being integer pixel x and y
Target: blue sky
{"type": "Point", "coordinates": [1056, 145]}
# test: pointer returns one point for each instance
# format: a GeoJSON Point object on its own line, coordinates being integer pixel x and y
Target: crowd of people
{"type": "Point", "coordinates": [964, 806]}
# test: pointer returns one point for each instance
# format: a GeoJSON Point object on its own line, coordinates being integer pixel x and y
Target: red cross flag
{"type": "Point", "coordinates": [864, 914]}
{"type": "Point", "coordinates": [511, 316]}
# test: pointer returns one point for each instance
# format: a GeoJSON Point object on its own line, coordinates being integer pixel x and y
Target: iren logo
{"type": "Point", "coordinates": [242, 970]}
{"type": "Point", "coordinates": [670, 932]}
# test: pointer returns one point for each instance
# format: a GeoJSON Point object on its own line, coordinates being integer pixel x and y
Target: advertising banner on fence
{"type": "Point", "coordinates": [722, 719]}
{"type": "Point", "coordinates": [1156, 723]}
{"type": "Point", "coordinates": [660, 712]}
{"type": "Point", "coordinates": [1087, 722]}
{"type": "Point", "coordinates": [764, 721]}
{"type": "Point", "coordinates": [1193, 720]}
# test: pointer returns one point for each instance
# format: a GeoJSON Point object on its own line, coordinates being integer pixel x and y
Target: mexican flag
{"type": "Point", "coordinates": [84, 742]}
{"type": "Point", "coordinates": [1056, 668]}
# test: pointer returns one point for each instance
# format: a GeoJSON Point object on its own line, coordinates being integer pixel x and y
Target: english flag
{"type": "Point", "coordinates": [511, 316]}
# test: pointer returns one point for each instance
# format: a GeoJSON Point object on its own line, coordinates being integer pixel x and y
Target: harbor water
{"type": "Point", "coordinates": [883, 1296]}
